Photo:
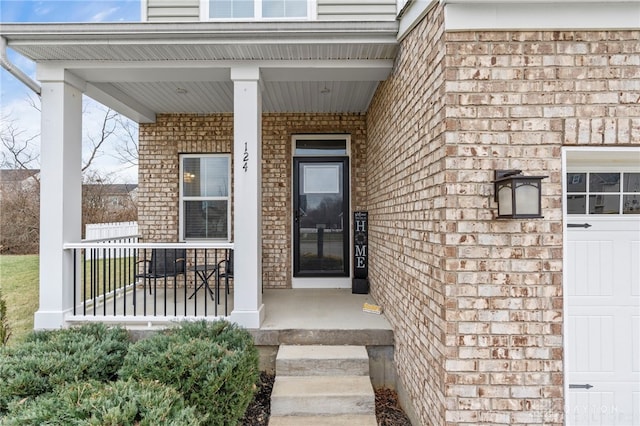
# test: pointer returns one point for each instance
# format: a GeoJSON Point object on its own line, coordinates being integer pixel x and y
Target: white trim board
{"type": "Point", "coordinates": [531, 15]}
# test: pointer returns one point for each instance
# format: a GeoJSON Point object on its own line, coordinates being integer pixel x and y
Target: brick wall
{"type": "Point", "coordinates": [513, 100]}
{"type": "Point", "coordinates": [174, 134]}
{"type": "Point", "coordinates": [477, 302]}
{"type": "Point", "coordinates": [159, 147]}
{"type": "Point", "coordinates": [407, 212]}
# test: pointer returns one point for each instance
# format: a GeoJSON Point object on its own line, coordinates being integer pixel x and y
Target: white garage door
{"type": "Point", "coordinates": [603, 298]}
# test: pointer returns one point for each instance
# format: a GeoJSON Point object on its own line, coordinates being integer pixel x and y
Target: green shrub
{"type": "Point", "coordinates": [50, 358]}
{"type": "Point", "coordinates": [213, 365]}
{"type": "Point", "coordinates": [114, 403]}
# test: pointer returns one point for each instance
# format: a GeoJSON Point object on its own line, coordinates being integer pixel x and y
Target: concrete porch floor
{"type": "Point", "coordinates": [292, 316]}
{"type": "Point", "coordinates": [321, 316]}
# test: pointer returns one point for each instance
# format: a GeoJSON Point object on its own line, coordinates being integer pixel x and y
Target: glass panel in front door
{"type": "Point", "coordinates": [320, 218]}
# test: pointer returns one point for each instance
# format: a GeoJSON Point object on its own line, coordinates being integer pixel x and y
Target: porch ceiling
{"type": "Point", "coordinates": [143, 69]}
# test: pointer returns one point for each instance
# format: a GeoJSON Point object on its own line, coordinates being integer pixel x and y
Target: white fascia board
{"type": "Point", "coordinates": [541, 15]}
{"type": "Point", "coordinates": [120, 102]}
{"type": "Point", "coordinates": [412, 13]}
{"type": "Point", "coordinates": [205, 32]}
{"type": "Point", "coordinates": [144, 10]}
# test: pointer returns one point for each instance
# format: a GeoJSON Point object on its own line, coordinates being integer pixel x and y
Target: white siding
{"type": "Point", "coordinates": [356, 10]}
{"type": "Point", "coordinates": [173, 10]}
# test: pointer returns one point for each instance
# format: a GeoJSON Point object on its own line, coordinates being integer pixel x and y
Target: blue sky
{"type": "Point", "coordinates": [69, 10]}
{"type": "Point", "coordinates": [57, 11]}
{"type": "Point", "coordinates": [14, 95]}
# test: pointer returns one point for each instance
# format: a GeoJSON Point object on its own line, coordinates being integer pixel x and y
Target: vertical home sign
{"type": "Point", "coordinates": [360, 283]}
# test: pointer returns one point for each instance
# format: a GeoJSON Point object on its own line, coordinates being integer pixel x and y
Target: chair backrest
{"type": "Point", "coordinates": [230, 264]}
{"type": "Point", "coordinates": [167, 262]}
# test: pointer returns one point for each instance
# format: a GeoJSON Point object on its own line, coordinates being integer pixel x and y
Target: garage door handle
{"type": "Point", "coordinates": [579, 225]}
{"type": "Point", "coordinates": [587, 386]}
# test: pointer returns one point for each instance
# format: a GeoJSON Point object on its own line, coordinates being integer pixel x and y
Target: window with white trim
{"type": "Point", "coordinates": [205, 202]}
{"type": "Point", "coordinates": [258, 9]}
{"type": "Point", "coordinates": [603, 193]}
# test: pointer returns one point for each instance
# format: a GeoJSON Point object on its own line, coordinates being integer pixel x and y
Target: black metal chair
{"type": "Point", "coordinates": [164, 263]}
{"type": "Point", "coordinates": [225, 270]}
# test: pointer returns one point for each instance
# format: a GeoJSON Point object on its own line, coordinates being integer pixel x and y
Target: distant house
{"type": "Point", "coordinates": [265, 125]}
{"type": "Point", "coordinates": [116, 196]}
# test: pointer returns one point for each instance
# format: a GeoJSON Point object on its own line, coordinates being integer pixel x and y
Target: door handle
{"type": "Point", "coordinates": [587, 386]}
{"type": "Point", "coordinates": [579, 225]}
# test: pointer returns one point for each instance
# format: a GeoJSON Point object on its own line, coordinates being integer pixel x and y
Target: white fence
{"type": "Point", "coordinates": [117, 232]}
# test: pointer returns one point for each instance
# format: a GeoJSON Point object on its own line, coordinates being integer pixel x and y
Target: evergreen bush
{"type": "Point", "coordinates": [114, 403]}
{"type": "Point", "coordinates": [213, 365]}
{"type": "Point", "coordinates": [50, 358]}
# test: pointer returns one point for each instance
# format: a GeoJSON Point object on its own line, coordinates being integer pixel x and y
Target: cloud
{"type": "Point", "coordinates": [103, 15]}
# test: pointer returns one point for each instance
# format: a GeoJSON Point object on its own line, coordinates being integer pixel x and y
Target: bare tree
{"type": "Point", "coordinates": [19, 210]}
{"type": "Point", "coordinates": [127, 151]}
{"type": "Point", "coordinates": [19, 150]}
{"type": "Point", "coordinates": [19, 219]}
{"type": "Point", "coordinates": [108, 128]}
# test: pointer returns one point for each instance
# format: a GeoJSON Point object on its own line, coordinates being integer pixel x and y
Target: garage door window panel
{"type": "Point", "coordinates": [598, 193]}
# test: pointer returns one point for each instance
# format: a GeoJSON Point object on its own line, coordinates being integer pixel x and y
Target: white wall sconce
{"type": "Point", "coordinates": [518, 196]}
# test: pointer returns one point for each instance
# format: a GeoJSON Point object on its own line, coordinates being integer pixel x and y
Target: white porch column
{"type": "Point", "coordinates": [60, 195]}
{"type": "Point", "coordinates": [248, 309]}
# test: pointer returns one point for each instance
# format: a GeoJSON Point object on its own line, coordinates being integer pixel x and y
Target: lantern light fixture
{"type": "Point", "coordinates": [518, 196]}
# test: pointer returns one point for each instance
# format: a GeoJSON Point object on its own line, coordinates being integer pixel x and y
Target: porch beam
{"type": "Point", "coordinates": [60, 194]}
{"type": "Point", "coordinates": [219, 70]}
{"type": "Point", "coordinates": [119, 101]}
{"type": "Point", "coordinates": [248, 310]}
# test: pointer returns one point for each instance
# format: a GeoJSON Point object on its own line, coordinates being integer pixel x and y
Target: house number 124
{"type": "Point", "coordinates": [245, 158]}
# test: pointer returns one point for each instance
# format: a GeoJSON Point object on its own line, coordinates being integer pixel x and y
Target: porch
{"type": "Point", "coordinates": [112, 284]}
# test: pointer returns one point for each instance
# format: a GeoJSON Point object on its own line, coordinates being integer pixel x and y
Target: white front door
{"type": "Point", "coordinates": [602, 294]}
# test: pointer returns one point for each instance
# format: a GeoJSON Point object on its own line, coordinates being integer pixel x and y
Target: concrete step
{"type": "Point", "coordinates": [322, 395]}
{"type": "Point", "coordinates": [350, 420]}
{"type": "Point", "coordinates": [321, 360]}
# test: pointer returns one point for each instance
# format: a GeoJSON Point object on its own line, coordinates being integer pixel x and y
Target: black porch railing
{"type": "Point", "coordinates": [132, 280]}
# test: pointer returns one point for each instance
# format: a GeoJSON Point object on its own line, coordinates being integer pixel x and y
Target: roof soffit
{"type": "Point", "coordinates": [142, 69]}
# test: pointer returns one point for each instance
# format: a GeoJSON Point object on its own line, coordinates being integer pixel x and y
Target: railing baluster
{"type": "Point", "coordinates": [144, 286]}
{"type": "Point", "coordinates": [226, 283]}
{"type": "Point", "coordinates": [111, 269]}
{"type": "Point", "coordinates": [123, 276]}
{"type": "Point", "coordinates": [195, 283]}
{"type": "Point", "coordinates": [135, 271]}
{"type": "Point", "coordinates": [75, 280]}
{"type": "Point", "coordinates": [105, 262]}
{"type": "Point", "coordinates": [84, 283]}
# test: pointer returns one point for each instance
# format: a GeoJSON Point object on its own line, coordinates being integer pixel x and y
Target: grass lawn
{"type": "Point", "coordinates": [20, 289]}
